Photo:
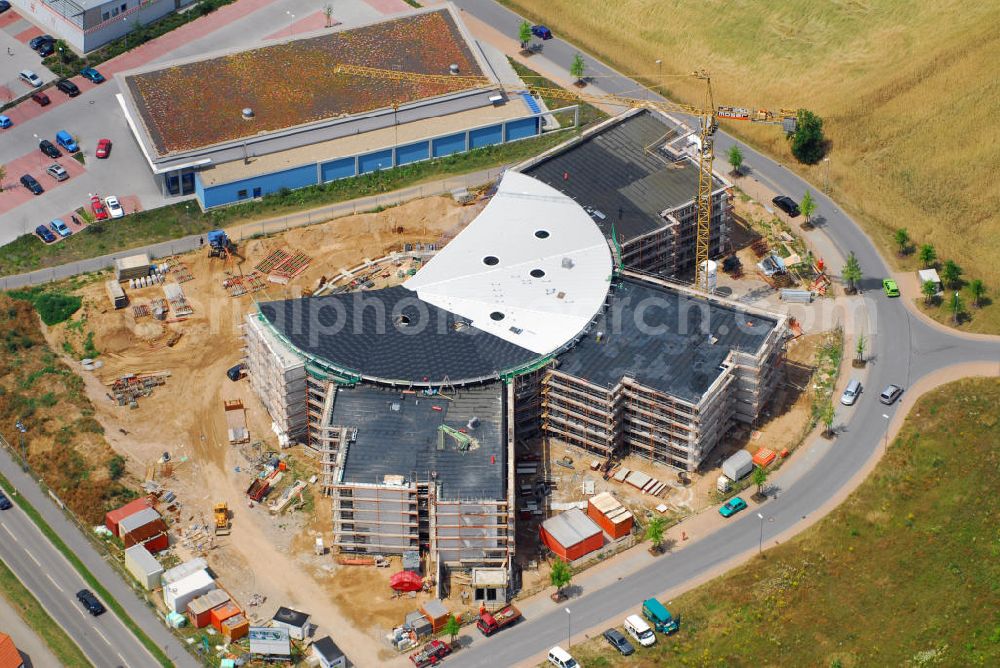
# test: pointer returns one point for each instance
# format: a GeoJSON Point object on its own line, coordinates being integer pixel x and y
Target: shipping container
{"type": "Point", "coordinates": [223, 612]}
{"type": "Point", "coordinates": [143, 566]}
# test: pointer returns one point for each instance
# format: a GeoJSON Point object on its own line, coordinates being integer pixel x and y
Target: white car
{"type": "Point", "coordinates": [114, 206]}
{"type": "Point", "coordinates": [30, 78]}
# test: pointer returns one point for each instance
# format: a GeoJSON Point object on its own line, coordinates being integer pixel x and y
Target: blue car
{"type": "Point", "coordinates": [541, 32]}
{"type": "Point", "coordinates": [732, 506]}
{"type": "Point", "coordinates": [5, 503]}
{"type": "Point", "coordinates": [45, 234]}
{"type": "Point", "coordinates": [92, 75]}
{"type": "Point", "coordinates": [5, 122]}
{"type": "Point", "coordinates": [66, 140]}
{"type": "Point", "coordinates": [60, 227]}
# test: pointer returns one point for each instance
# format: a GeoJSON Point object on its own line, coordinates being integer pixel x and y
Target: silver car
{"type": "Point", "coordinates": [851, 393]}
{"type": "Point", "coordinates": [30, 78]}
{"type": "Point", "coordinates": [890, 394]}
{"type": "Point", "coordinates": [56, 171]}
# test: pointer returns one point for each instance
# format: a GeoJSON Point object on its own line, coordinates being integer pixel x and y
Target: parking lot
{"type": "Point", "coordinates": [95, 113]}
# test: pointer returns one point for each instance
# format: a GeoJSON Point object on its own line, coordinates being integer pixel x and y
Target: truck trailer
{"type": "Point", "coordinates": [660, 617]}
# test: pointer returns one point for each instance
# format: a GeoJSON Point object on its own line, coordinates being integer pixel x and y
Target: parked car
{"type": "Point", "coordinates": [46, 49]}
{"type": "Point", "coordinates": [103, 148]}
{"type": "Point", "coordinates": [5, 121]}
{"type": "Point", "coordinates": [4, 6]}
{"type": "Point", "coordinates": [41, 98]}
{"type": "Point", "coordinates": [618, 641]}
{"type": "Point", "coordinates": [60, 228]}
{"type": "Point", "coordinates": [49, 149]}
{"type": "Point", "coordinates": [90, 602]}
{"type": "Point", "coordinates": [786, 204]}
{"type": "Point", "coordinates": [541, 32]}
{"type": "Point", "coordinates": [29, 182]}
{"type": "Point", "coordinates": [92, 75]}
{"type": "Point", "coordinates": [560, 658]}
{"type": "Point", "coordinates": [30, 78]}
{"type": "Point", "coordinates": [100, 213]}
{"type": "Point", "coordinates": [732, 506]}
{"type": "Point", "coordinates": [56, 171]}
{"type": "Point", "coordinates": [637, 627]}
{"type": "Point", "coordinates": [45, 233]}
{"type": "Point", "coordinates": [68, 87]}
{"type": "Point", "coordinates": [890, 394]}
{"type": "Point", "coordinates": [851, 393]}
{"type": "Point", "coordinates": [890, 288]}
{"type": "Point", "coordinates": [114, 206]}
{"type": "Point", "coordinates": [38, 41]}
{"type": "Point", "coordinates": [5, 503]}
{"type": "Point", "coordinates": [66, 140]}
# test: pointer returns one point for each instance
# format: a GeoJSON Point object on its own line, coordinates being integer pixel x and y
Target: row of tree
{"type": "Point", "coordinates": [951, 275]}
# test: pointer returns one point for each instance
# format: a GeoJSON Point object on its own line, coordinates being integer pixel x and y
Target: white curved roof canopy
{"type": "Point", "coordinates": [533, 268]}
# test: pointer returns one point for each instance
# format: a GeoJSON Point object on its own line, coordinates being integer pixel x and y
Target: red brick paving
{"type": "Point", "coordinates": [313, 22]}
{"type": "Point", "coordinates": [388, 6]}
{"type": "Point", "coordinates": [8, 17]}
{"type": "Point", "coordinates": [34, 163]}
{"type": "Point", "coordinates": [27, 35]}
{"type": "Point", "coordinates": [6, 93]}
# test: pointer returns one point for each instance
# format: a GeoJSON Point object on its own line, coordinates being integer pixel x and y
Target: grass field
{"type": "Point", "coordinates": [31, 611]}
{"type": "Point", "coordinates": [908, 91]}
{"type": "Point", "coordinates": [904, 573]}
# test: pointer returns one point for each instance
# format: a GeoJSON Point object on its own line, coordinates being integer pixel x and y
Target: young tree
{"type": "Point", "coordinates": [952, 274]}
{"type": "Point", "coordinates": [978, 291]}
{"type": "Point", "coordinates": [577, 68]}
{"type": "Point", "coordinates": [852, 273]}
{"type": "Point", "coordinates": [3, 175]}
{"type": "Point", "coordinates": [929, 290]}
{"type": "Point", "coordinates": [760, 479]}
{"type": "Point", "coordinates": [654, 532]}
{"type": "Point", "coordinates": [560, 575]}
{"type": "Point", "coordinates": [859, 349]}
{"type": "Point", "coordinates": [452, 627]}
{"type": "Point", "coordinates": [808, 207]}
{"type": "Point", "coordinates": [524, 34]}
{"type": "Point", "coordinates": [328, 14]}
{"type": "Point", "coordinates": [902, 240]}
{"type": "Point", "coordinates": [807, 140]}
{"type": "Point", "coordinates": [927, 255]}
{"type": "Point", "coordinates": [827, 416]}
{"type": "Point", "coordinates": [957, 307]}
{"type": "Point", "coordinates": [735, 158]}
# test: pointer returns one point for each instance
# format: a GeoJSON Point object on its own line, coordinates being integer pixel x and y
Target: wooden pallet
{"type": "Point", "coordinates": [241, 285]}
{"type": "Point", "coordinates": [140, 310]}
{"type": "Point", "coordinates": [292, 266]}
{"type": "Point", "coordinates": [276, 258]}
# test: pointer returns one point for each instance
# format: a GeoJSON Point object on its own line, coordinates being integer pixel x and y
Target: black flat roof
{"type": "Point", "coordinates": [667, 340]}
{"type": "Point", "coordinates": [399, 434]}
{"type": "Point", "coordinates": [291, 617]}
{"type": "Point", "coordinates": [364, 332]}
{"type": "Point", "coordinates": [613, 172]}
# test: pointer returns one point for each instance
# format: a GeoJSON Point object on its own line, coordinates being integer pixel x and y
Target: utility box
{"type": "Point", "coordinates": [738, 466]}
{"type": "Point", "coordinates": [723, 484]}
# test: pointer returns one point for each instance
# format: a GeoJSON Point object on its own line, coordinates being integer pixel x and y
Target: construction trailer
{"type": "Point", "coordinates": [143, 566]}
{"type": "Point", "coordinates": [199, 610]}
{"type": "Point", "coordinates": [113, 517]}
{"type": "Point", "coordinates": [116, 294]}
{"type": "Point", "coordinates": [146, 527]}
{"type": "Point", "coordinates": [571, 535]}
{"type": "Point", "coordinates": [669, 385]}
{"type": "Point", "coordinates": [178, 594]}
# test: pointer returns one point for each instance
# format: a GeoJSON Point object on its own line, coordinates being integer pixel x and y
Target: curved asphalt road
{"type": "Point", "coordinates": [904, 348]}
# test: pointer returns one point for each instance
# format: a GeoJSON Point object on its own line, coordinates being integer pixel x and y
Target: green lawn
{"type": "Point", "coordinates": [905, 573]}
{"type": "Point", "coordinates": [34, 615]}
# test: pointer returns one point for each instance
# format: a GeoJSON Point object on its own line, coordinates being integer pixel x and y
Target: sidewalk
{"type": "Point", "coordinates": [247, 230]}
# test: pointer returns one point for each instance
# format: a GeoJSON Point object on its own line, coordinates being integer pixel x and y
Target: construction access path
{"type": "Point", "coordinates": [904, 349]}
{"type": "Point", "coordinates": [54, 582]}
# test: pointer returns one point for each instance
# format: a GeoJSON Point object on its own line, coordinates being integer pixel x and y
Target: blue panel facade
{"type": "Point", "coordinates": [377, 160]}
{"type": "Point", "coordinates": [412, 153]}
{"type": "Point", "coordinates": [447, 145]}
{"type": "Point", "coordinates": [338, 169]}
{"type": "Point", "coordinates": [228, 193]}
{"type": "Point", "coordinates": [485, 136]}
{"type": "Point", "coordinates": [521, 128]}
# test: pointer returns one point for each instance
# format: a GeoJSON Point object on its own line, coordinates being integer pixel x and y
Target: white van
{"type": "Point", "coordinates": [637, 627]}
{"type": "Point", "coordinates": [561, 658]}
{"type": "Point", "coordinates": [851, 393]}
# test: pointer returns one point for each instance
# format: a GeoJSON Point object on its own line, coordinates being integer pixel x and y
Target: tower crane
{"type": "Point", "coordinates": [707, 114]}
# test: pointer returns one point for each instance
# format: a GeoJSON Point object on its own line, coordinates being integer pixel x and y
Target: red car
{"type": "Point", "coordinates": [41, 98]}
{"type": "Point", "coordinates": [103, 148]}
{"type": "Point", "coordinates": [100, 213]}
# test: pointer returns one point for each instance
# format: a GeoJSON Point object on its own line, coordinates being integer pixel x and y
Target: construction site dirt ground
{"type": "Point", "coordinates": [185, 418]}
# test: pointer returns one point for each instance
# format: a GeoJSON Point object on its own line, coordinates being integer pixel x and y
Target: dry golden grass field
{"type": "Point", "coordinates": [909, 92]}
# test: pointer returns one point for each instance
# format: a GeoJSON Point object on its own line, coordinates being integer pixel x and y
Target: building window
{"type": "Point", "coordinates": [124, 6]}
{"type": "Point", "coordinates": [105, 16]}
{"type": "Point", "coordinates": [242, 194]}
{"type": "Point", "coordinates": [114, 12]}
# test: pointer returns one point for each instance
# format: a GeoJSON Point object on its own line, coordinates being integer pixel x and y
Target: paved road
{"type": "Point", "coordinates": [54, 582]}
{"type": "Point", "coordinates": [34, 651]}
{"type": "Point", "coordinates": [904, 348]}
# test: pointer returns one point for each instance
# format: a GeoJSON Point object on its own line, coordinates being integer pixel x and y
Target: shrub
{"type": "Point", "coordinates": [55, 307]}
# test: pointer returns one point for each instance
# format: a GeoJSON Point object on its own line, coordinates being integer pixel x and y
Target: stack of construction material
{"type": "Point", "coordinates": [129, 389]}
{"type": "Point", "coordinates": [178, 302]}
{"type": "Point", "coordinates": [615, 519]}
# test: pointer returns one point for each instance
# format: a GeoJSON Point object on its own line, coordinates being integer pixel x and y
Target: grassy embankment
{"type": "Point", "coordinates": [34, 615]}
{"type": "Point", "coordinates": [905, 89]}
{"type": "Point", "coordinates": [904, 572]}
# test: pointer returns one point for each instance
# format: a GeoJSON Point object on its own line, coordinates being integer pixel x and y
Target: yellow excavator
{"type": "Point", "coordinates": [222, 525]}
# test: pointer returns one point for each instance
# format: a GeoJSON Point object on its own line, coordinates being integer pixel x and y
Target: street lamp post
{"type": "Point", "coordinates": [21, 430]}
{"type": "Point", "coordinates": [760, 543]}
{"type": "Point", "coordinates": [290, 24]}
{"type": "Point", "coordinates": [826, 181]}
{"type": "Point", "coordinates": [885, 440]}
{"type": "Point", "coordinates": [569, 629]}
{"type": "Point", "coordinates": [659, 66]}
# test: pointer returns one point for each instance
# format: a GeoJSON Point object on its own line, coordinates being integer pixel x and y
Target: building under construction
{"type": "Point", "coordinates": [636, 175]}
{"type": "Point", "coordinates": [414, 395]}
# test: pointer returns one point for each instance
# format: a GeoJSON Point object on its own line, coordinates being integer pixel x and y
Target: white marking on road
{"type": "Point", "coordinates": [9, 532]}
{"type": "Point", "coordinates": [103, 637]}
{"type": "Point", "coordinates": [124, 662]}
{"type": "Point", "coordinates": [80, 610]}
{"type": "Point", "coordinates": [53, 582]}
{"type": "Point", "coordinates": [37, 562]}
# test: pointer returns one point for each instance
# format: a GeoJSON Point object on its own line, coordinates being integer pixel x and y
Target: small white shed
{"type": "Point", "coordinates": [930, 275]}
{"type": "Point", "coordinates": [143, 566]}
{"type": "Point", "coordinates": [178, 594]}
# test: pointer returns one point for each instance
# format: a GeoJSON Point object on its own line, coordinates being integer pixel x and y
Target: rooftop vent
{"type": "Point", "coordinates": [567, 263]}
{"type": "Point", "coordinates": [247, 114]}
{"type": "Point", "coordinates": [453, 68]}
